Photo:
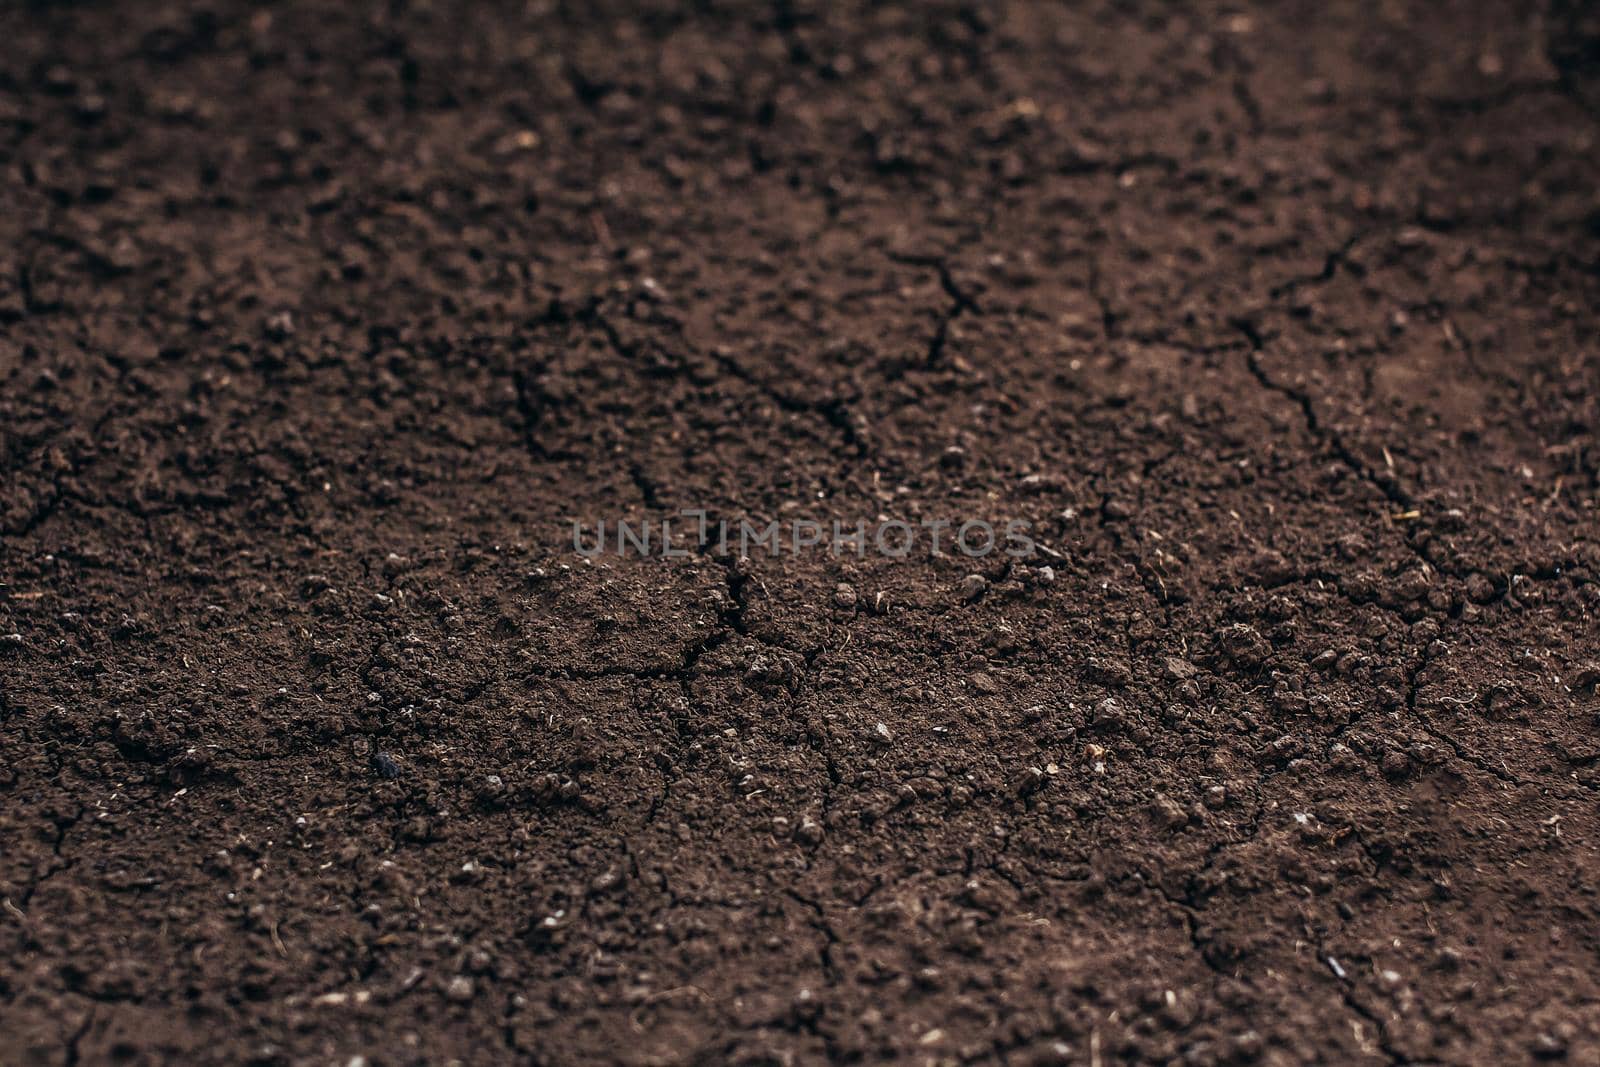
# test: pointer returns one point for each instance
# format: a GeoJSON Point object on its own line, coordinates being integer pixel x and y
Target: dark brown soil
{"type": "Point", "coordinates": [319, 744]}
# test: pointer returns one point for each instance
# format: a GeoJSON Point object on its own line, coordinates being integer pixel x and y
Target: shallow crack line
{"type": "Point", "coordinates": [1110, 320]}
{"type": "Point", "coordinates": [785, 21]}
{"type": "Point", "coordinates": [1413, 686]}
{"type": "Point", "coordinates": [1467, 757]}
{"type": "Point", "coordinates": [1247, 102]}
{"type": "Point", "coordinates": [1189, 915]}
{"type": "Point", "coordinates": [649, 492]}
{"type": "Point", "coordinates": [532, 402]}
{"type": "Point", "coordinates": [834, 410]}
{"type": "Point", "coordinates": [961, 303]}
{"type": "Point", "coordinates": [1390, 489]}
{"type": "Point", "coordinates": [55, 849]}
{"type": "Point", "coordinates": [1347, 989]}
{"type": "Point", "coordinates": [1476, 105]}
{"type": "Point", "coordinates": [75, 1041]}
{"type": "Point", "coordinates": [1330, 267]}
{"type": "Point", "coordinates": [730, 620]}
{"type": "Point", "coordinates": [821, 924]}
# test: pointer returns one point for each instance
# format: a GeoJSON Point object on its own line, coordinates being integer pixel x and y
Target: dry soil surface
{"type": "Point", "coordinates": [320, 744]}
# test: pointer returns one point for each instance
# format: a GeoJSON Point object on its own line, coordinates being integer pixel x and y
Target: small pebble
{"type": "Point", "coordinates": [384, 765]}
{"type": "Point", "coordinates": [1549, 1046]}
{"type": "Point", "coordinates": [1585, 675]}
{"type": "Point", "coordinates": [1480, 589]}
{"type": "Point", "coordinates": [280, 327]}
{"type": "Point", "coordinates": [1168, 812]}
{"type": "Point", "coordinates": [1030, 781]}
{"type": "Point", "coordinates": [1178, 669]}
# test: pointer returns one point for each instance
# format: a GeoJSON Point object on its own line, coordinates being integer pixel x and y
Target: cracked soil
{"type": "Point", "coordinates": [320, 323]}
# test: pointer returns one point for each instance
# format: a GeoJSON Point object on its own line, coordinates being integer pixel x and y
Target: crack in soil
{"type": "Point", "coordinates": [961, 303]}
